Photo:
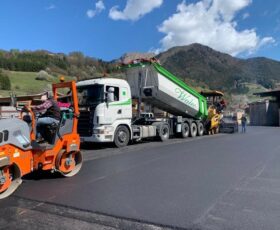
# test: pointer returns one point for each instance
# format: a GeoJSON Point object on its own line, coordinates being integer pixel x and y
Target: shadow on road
{"type": "Point", "coordinates": [40, 175]}
{"type": "Point", "coordinates": [100, 146]}
{"type": "Point", "coordinates": [97, 146]}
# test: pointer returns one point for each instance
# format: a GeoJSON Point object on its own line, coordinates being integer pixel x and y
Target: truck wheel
{"type": "Point", "coordinates": [185, 130]}
{"type": "Point", "coordinates": [193, 131]}
{"type": "Point", "coordinates": [121, 136]}
{"type": "Point", "coordinates": [164, 132]}
{"type": "Point", "coordinates": [200, 129]}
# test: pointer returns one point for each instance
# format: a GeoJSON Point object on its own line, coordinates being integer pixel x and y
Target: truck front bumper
{"type": "Point", "coordinates": [100, 134]}
{"type": "Point", "coordinates": [98, 138]}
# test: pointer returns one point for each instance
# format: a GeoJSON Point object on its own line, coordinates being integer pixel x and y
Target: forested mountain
{"type": "Point", "coordinates": [217, 70]}
{"type": "Point", "coordinates": [196, 64]}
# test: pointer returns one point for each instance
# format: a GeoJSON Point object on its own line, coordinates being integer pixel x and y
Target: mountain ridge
{"type": "Point", "coordinates": [196, 64]}
{"type": "Point", "coordinates": [219, 70]}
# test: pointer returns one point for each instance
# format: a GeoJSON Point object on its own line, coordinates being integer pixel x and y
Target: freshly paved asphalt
{"type": "Point", "coordinates": [226, 181]}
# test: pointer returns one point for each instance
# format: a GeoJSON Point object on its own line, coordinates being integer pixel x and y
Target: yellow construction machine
{"type": "Point", "coordinates": [216, 105]}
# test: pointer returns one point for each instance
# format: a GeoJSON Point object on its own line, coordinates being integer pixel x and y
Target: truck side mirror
{"type": "Point", "coordinates": [109, 97]}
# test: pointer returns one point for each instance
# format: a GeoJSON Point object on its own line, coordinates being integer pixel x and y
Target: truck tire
{"type": "Point", "coordinates": [193, 129]}
{"type": "Point", "coordinates": [164, 132]}
{"type": "Point", "coordinates": [122, 136]}
{"type": "Point", "coordinates": [185, 130]}
{"type": "Point", "coordinates": [200, 129]}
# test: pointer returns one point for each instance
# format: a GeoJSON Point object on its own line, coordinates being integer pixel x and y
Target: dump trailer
{"type": "Point", "coordinates": [106, 106]}
{"type": "Point", "coordinates": [154, 85]}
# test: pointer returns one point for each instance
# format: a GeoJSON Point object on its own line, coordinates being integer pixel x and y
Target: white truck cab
{"type": "Point", "coordinates": [105, 111]}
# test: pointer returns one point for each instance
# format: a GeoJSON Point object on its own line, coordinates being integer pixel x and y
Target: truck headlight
{"type": "Point", "coordinates": [98, 131]}
{"type": "Point", "coordinates": [109, 129]}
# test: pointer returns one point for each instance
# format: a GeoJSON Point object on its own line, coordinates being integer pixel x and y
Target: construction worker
{"type": "Point", "coordinates": [223, 103]}
{"type": "Point", "coordinates": [243, 123]}
{"type": "Point", "coordinates": [50, 113]}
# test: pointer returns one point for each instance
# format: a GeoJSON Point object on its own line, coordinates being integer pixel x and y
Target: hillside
{"type": "Point", "coordinates": [196, 64]}
{"type": "Point", "coordinates": [217, 70]}
{"type": "Point", "coordinates": [200, 66]}
{"type": "Point", "coordinates": [73, 64]}
{"type": "Point", "coordinates": [23, 83]}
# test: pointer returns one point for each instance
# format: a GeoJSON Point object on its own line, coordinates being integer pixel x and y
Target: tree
{"type": "Point", "coordinates": [5, 83]}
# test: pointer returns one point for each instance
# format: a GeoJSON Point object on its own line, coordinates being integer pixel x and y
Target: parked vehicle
{"type": "Point", "coordinates": [119, 111]}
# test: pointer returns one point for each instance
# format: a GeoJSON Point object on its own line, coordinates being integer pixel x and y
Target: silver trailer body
{"type": "Point", "coordinates": [160, 91]}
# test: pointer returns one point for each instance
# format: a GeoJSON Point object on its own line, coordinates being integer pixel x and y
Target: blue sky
{"type": "Point", "coordinates": [243, 28]}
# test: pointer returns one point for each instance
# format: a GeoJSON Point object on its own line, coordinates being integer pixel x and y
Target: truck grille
{"type": "Point", "coordinates": [85, 124]}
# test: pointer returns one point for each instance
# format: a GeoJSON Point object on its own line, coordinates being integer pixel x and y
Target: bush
{"type": "Point", "coordinates": [240, 90]}
{"type": "Point", "coordinates": [5, 83]}
{"type": "Point", "coordinates": [43, 76]}
{"type": "Point", "coordinates": [266, 83]}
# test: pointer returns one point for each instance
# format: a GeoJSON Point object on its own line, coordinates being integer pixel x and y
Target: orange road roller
{"type": "Point", "coordinates": [21, 153]}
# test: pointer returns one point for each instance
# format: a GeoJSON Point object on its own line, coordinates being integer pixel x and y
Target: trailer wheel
{"type": "Point", "coordinates": [193, 131]}
{"type": "Point", "coordinates": [185, 130]}
{"type": "Point", "coordinates": [121, 136]}
{"type": "Point", "coordinates": [164, 132]}
{"type": "Point", "coordinates": [200, 129]}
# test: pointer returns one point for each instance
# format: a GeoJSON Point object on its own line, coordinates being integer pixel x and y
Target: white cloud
{"type": "Point", "coordinates": [245, 15]}
{"type": "Point", "coordinates": [134, 9]}
{"type": "Point", "coordinates": [211, 23]}
{"type": "Point", "coordinates": [91, 13]}
{"type": "Point", "coordinates": [51, 7]}
{"type": "Point", "coordinates": [99, 7]}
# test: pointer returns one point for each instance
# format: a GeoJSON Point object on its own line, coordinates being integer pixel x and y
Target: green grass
{"type": "Point", "coordinates": [23, 83]}
{"type": "Point", "coordinates": [254, 88]}
{"type": "Point", "coordinates": [237, 100]}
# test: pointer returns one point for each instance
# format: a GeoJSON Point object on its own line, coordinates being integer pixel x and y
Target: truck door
{"type": "Point", "coordinates": [126, 103]}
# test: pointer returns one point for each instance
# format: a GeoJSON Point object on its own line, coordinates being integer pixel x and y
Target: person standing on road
{"type": "Point", "coordinates": [243, 123]}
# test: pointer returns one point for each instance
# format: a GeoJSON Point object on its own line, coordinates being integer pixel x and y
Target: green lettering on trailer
{"type": "Point", "coordinates": [202, 113]}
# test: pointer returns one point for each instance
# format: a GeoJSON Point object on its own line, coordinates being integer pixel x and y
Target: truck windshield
{"type": "Point", "coordinates": [91, 94]}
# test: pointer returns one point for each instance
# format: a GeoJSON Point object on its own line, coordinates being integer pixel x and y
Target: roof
{"type": "Point", "coordinates": [213, 93]}
{"type": "Point", "coordinates": [102, 81]}
{"type": "Point", "coordinates": [7, 100]}
{"type": "Point", "coordinates": [270, 93]}
{"type": "Point", "coordinates": [34, 97]}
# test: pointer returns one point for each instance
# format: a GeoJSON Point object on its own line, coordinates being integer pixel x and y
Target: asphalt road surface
{"type": "Point", "coordinates": [226, 181]}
